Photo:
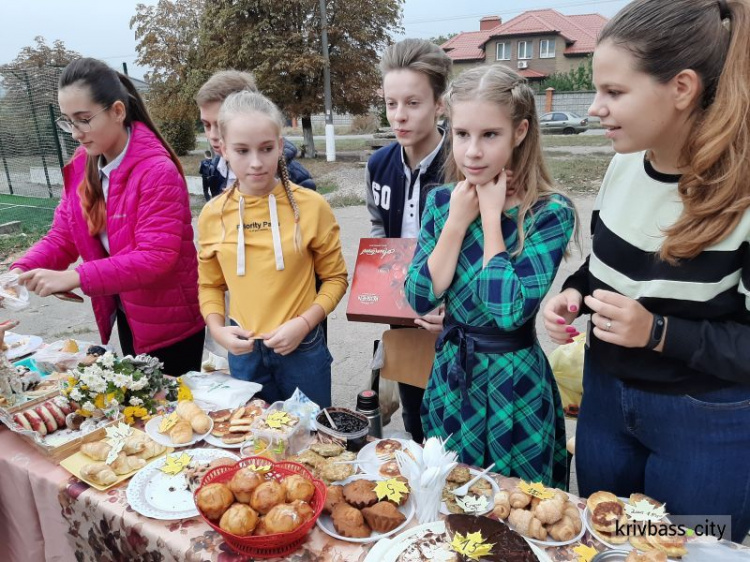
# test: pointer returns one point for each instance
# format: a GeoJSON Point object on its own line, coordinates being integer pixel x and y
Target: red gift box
{"type": "Point", "coordinates": [377, 290]}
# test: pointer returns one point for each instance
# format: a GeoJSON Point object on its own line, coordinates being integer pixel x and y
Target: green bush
{"type": "Point", "coordinates": [180, 135]}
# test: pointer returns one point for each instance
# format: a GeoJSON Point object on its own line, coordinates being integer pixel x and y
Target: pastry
{"type": "Point", "coordinates": [135, 443]}
{"type": "Point", "coordinates": [525, 523]}
{"type": "Point", "coordinates": [360, 493]}
{"type": "Point", "coordinates": [99, 473]}
{"type": "Point", "coordinates": [125, 464]}
{"type": "Point", "coordinates": [297, 487]}
{"type": "Point", "coordinates": [383, 517]}
{"type": "Point", "coordinates": [605, 516]}
{"type": "Point", "coordinates": [220, 416]}
{"type": "Point", "coordinates": [673, 546]}
{"type": "Point", "coordinates": [460, 474]}
{"type": "Point", "coordinates": [310, 458]}
{"type": "Point", "coordinates": [331, 472]}
{"type": "Point", "coordinates": [283, 518]}
{"type": "Point", "coordinates": [236, 438]}
{"type": "Point", "coordinates": [239, 519]}
{"type": "Point", "coordinates": [508, 544]}
{"type": "Point", "coordinates": [563, 530]}
{"type": "Point", "coordinates": [640, 542]}
{"type": "Point", "coordinates": [327, 449]}
{"type": "Point", "coordinates": [335, 495]}
{"type": "Point", "coordinates": [244, 482]}
{"type": "Point", "coordinates": [549, 511]}
{"type": "Point", "coordinates": [599, 497]}
{"type": "Point", "coordinates": [267, 495]}
{"type": "Point", "coordinates": [518, 498]}
{"type": "Point", "coordinates": [349, 521]}
{"type": "Point", "coordinates": [97, 450]}
{"type": "Point", "coordinates": [214, 499]}
{"type": "Point", "coordinates": [389, 469]}
{"type": "Point", "coordinates": [220, 429]}
{"type": "Point", "coordinates": [502, 505]}
{"type": "Point", "coordinates": [181, 432]}
{"type": "Point", "coordinates": [151, 449]}
{"type": "Point", "coordinates": [404, 496]}
{"type": "Point", "coordinates": [190, 412]}
{"type": "Point", "coordinates": [304, 509]}
{"type": "Point", "coordinates": [635, 498]}
{"type": "Point", "coordinates": [386, 448]}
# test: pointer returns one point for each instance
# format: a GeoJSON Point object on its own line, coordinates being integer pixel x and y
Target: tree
{"type": "Point", "coordinates": [440, 39]}
{"type": "Point", "coordinates": [30, 84]}
{"type": "Point", "coordinates": [280, 43]}
{"type": "Point", "coordinates": [167, 35]}
{"type": "Point", "coordinates": [576, 79]}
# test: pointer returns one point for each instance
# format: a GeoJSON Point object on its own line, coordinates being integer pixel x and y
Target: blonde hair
{"type": "Point", "coordinates": [222, 84]}
{"type": "Point", "coordinates": [713, 39]}
{"type": "Point", "coordinates": [421, 56]}
{"type": "Point", "coordinates": [242, 103]}
{"type": "Point", "coordinates": [500, 85]}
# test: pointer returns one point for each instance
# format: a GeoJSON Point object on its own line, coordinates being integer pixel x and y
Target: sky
{"type": "Point", "coordinates": [101, 28]}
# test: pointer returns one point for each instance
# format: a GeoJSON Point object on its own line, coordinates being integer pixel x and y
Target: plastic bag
{"type": "Point", "coordinates": [217, 391]}
{"type": "Point", "coordinates": [15, 296]}
{"type": "Point", "coordinates": [387, 390]}
{"type": "Point", "coordinates": [300, 405]}
{"type": "Point", "coordinates": [567, 366]}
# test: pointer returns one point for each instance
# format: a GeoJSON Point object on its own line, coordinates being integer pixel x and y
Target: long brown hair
{"type": "Point", "coordinates": [419, 55]}
{"type": "Point", "coordinates": [503, 86]}
{"type": "Point", "coordinates": [106, 86]}
{"type": "Point", "coordinates": [712, 38]}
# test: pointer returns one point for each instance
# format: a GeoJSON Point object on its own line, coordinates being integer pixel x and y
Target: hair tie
{"type": "Point", "coordinates": [724, 11]}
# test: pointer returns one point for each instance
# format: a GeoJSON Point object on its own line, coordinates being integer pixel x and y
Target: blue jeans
{"type": "Point", "coordinates": [691, 452]}
{"type": "Point", "coordinates": [308, 368]}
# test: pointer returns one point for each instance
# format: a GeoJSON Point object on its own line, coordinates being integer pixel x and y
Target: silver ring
{"type": "Point", "coordinates": [608, 325]}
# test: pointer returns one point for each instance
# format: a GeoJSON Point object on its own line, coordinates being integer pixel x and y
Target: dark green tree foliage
{"type": "Point", "coordinates": [576, 79]}
{"type": "Point", "coordinates": [280, 42]}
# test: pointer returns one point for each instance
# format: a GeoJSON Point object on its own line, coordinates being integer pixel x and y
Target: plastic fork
{"type": "Point", "coordinates": [462, 490]}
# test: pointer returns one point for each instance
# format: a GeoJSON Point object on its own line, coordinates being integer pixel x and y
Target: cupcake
{"type": "Point", "coordinates": [383, 517]}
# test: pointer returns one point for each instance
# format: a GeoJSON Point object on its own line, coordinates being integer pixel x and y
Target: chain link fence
{"type": "Point", "coordinates": [32, 149]}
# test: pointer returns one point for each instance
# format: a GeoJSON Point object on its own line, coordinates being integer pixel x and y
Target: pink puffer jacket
{"type": "Point", "coordinates": [153, 264]}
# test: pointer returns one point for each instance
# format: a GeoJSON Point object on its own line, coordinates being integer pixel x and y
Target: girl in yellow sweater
{"type": "Point", "coordinates": [265, 240]}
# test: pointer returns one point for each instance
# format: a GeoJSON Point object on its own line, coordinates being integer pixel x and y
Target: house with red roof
{"type": "Point", "coordinates": [536, 43]}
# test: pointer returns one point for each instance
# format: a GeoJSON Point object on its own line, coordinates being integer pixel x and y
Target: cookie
{"type": "Point", "coordinates": [220, 416]}
{"type": "Point", "coordinates": [327, 449]}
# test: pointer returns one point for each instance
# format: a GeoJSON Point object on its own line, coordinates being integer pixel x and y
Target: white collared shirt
{"type": "Point", "coordinates": [226, 172]}
{"type": "Point", "coordinates": [410, 222]}
{"type": "Point", "coordinates": [104, 173]}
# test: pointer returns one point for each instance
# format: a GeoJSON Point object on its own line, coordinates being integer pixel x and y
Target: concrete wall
{"type": "Point", "coordinates": [577, 102]}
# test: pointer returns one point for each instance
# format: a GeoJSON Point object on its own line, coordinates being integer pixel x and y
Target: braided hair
{"type": "Point", "coordinates": [249, 102]}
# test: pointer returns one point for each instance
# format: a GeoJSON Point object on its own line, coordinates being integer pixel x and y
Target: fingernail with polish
{"type": "Point", "coordinates": [569, 341]}
{"type": "Point", "coordinates": [573, 308]}
{"type": "Point", "coordinates": [571, 330]}
{"type": "Point", "coordinates": [560, 321]}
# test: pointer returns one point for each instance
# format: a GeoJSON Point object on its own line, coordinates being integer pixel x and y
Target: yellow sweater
{"type": "Point", "coordinates": [265, 297]}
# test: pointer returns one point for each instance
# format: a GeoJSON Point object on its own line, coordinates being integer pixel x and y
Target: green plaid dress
{"type": "Point", "coordinates": [513, 414]}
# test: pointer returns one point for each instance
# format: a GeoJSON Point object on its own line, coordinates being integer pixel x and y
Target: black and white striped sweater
{"type": "Point", "coordinates": [707, 298]}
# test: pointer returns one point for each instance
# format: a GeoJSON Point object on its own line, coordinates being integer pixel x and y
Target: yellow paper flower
{"type": "Point", "coordinates": [85, 413]}
{"type": "Point", "coordinates": [99, 401]}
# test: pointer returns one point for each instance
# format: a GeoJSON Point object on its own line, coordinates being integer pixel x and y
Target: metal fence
{"type": "Point", "coordinates": [32, 149]}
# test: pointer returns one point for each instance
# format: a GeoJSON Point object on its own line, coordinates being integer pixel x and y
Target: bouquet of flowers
{"type": "Point", "coordinates": [111, 385]}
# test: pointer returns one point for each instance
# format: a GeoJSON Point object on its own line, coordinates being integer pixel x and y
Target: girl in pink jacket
{"type": "Point", "coordinates": [125, 212]}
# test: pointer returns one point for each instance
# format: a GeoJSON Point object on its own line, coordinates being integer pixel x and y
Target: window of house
{"type": "Point", "coordinates": [503, 51]}
{"type": "Point", "coordinates": [524, 50]}
{"type": "Point", "coordinates": [547, 49]}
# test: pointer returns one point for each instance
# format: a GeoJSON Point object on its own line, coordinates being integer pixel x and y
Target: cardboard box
{"type": "Point", "coordinates": [409, 355]}
{"type": "Point", "coordinates": [377, 291]}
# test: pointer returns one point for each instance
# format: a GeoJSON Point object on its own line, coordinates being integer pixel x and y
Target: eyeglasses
{"type": "Point", "coordinates": [83, 125]}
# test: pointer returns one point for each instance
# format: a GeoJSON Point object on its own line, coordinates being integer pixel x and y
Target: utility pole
{"type": "Point", "coordinates": [330, 138]}
{"type": "Point", "coordinates": [125, 68]}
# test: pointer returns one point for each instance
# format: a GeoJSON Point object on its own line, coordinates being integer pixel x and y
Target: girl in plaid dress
{"type": "Point", "coordinates": [490, 253]}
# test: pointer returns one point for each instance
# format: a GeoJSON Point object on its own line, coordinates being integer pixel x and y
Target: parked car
{"type": "Point", "coordinates": [565, 122]}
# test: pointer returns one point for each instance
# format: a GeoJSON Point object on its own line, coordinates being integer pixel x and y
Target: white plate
{"type": "Point", "coordinates": [491, 500]}
{"type": "Point", "coordinates": [161, 496]}
{"type": "Point", "coordinates": [152, 429]}
{"type": "Point", "coordinates": [20, 345]}
{"type": "Point", "coordinates": [326, 523]}
{"type": "Point", "coordinates": [368, 460]}
{"type": "Point", "coordinates": [388, 550]}
{"type": "Point", "coordinates": [217, 442]}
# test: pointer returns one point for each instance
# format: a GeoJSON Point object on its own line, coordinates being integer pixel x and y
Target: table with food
{"type": "Point", "coordinates": [107, 458]}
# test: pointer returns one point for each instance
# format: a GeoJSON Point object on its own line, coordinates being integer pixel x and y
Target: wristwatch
{"type": "Point", "coordinates": [657, 332]}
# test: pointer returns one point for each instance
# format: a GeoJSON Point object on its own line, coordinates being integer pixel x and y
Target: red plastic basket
{"type": "Point", "coordinates": [278, 544]}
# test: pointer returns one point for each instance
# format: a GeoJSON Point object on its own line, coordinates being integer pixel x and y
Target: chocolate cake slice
{"type": "Point", "coordinates": [509, 546]}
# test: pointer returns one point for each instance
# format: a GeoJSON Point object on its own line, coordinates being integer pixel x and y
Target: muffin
{"type": "Point", "coordinates": [383, 517]}
{"type": "Point", "coordinates": [266, 496]}
{"type": "Point", "coordinates": [239, 519]}
{"type": "Point", "coordinates": [335, 495]}
{"type": "Point", "coordinates": [349, 521]}
{"type": "Point", "coordinates": [214, 499]}
{"type": "Point", "coordinates": [244, 482]}
{"type": "Point", "coordinates": [360, 493]}
{"type": "Point", "coordinates": [297, 487]}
